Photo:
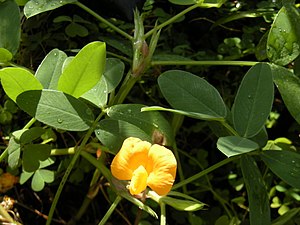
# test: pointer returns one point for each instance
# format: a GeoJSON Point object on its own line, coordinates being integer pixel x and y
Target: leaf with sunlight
{"type": "Point", "coordinates": [56, 109]}
{"type": "Point", "coordinates": [84, 71]}
{"type": "Point", "coordinates": [152, 123]}
{"type": "Point", "coordinates": [5, 55]}
{"type": "Point", "coordinates": [283, 45]}
{"type": "Point", "coordinates": [17, 80]}
{"type": "Point", "coordinates": [112, 133]}
{"type": "Point", "coordinates": [234, 145]}
{"type": "Point", "coordinates": [50, 69]}
{"type": "Point", "coordinates": [34, 7]}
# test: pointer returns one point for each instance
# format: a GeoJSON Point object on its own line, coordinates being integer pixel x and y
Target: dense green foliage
{"type": "Point", "coordinates": [215, 81]}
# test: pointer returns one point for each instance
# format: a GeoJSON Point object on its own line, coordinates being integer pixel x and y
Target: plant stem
{"type": "Point", "coordinates": [101, 19]}
{"type": "Point", "coordinates": [70, 167]}
{"type": "Point", "coordinates": [4, 154]}
{"type": "Point", "coordinates": [99, 165]}
{"type": "Point", "coordinates": [203, 63]}
{"type": "Point", "coordinates": [110, 210]}
{"type": "Point", "coordinates": [180, 171]}
{"type": "Point", "coordinates": [229, 128]}
{"type": "Point", "coordinates": [29, 124]}
{"type": "Point", "coordinates": [204, 172]}
{"type": "Point", "coordinates": [171, 20]}
{"type": "Point", "coordinates": [222, 201]}
{"type": "Point", "coordinates": [125, 88]}
{"type": "Point", "coordinates": [163, 219]}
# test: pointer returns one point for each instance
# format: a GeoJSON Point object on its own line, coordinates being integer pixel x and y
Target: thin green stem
{"type": "Point", "coordinates": [223, 202]}
{"type": "Point", "coordinates": [99, 165]}
{"type": "Point", "coordinates": [171, 20]}
{"type": "Point", "coordinates": [93, 191]}
{"type": "Point", "coordinates": [29, 124]}
{"type": "Point", "coordinates": [4, 154]}
{"type": "Point", "coordinates": [125, 88]}
{"type": "Point", "coordinates": [125, 59]}
{"type": "Point", "coordinates": [110, 210]}
{"type": "Point", "coordinates": [229, 128]}
{"type": "Point", "coordinates": [163, 218]}
{"type": "Point", "coordinates": [70, 167]}
{"type": "Point", "coordinates": [180, 171]}
{"type": "Point", "coordinates": [101, 19]}
{"type": "Point", "coordinates": [204, 172]}
{"type": "Point", "coordinates": [203, 63]}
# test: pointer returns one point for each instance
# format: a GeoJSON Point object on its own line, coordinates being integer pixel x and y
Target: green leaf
{"type": "Point", "coordinates": [17, 80]}
{"type": "Point", "coordinates": [112, 76]}
{"type": "Point", "coordinates": [47, 175]}
{"type": "Point", "coordinates": [254, 99]}
{"type": "Point", "coordinates": [261, 48]}
{"type": "Point", "coordinates": [50, 69]}
{"type": "Point", "coordinates": [184, 113]}
{"type": "Point", "coordinates": [75, 29]}
{"type": "Point", "coordinates": [113, 73]}
{"type": "Point", "coordinates": [5, 55]}
{"type": "Point", "coordinates": [257, 194]}
{"type": "Point", "coordinates": [10, 26]}
{"type": "Point", "coordinates": [60, 19]}
{"type": "Point", "coordinates": [289, 88]}
{"type": "Point", "coordinates": [181, 195]}
{"type": "Point", "coordinates": [84, 71]}
{"type": "Point", "coordinates": [138, 203]}
{"type": "Point", "coordinates": [261, 138]}
{"type": "Point", "coordinates": [33, 154]}
{"type": "Point", "coordinates": [233, 145]}
{"type": "Point", "coordinates": [112, 133]}
{"type": "Point", "coordinates": [21, 2]}
{"type": "Point", "coordinates": [98, 95]}
{"type": "Point", "coordinates": [285, 164]}
{"type": "Point", "coordinates": [37, 182]}
{"type": "Point", "coordinates": [34, 7]}
{"type": "Point", "coordinates": [190, 93]}
{"type": "Point", "coordinates": [25, 176]}
{"type": "Point", "coordinates": [283, 44]}
{"type": "Point", "coordinates": [285, 218]}
{"type": "Point", "coordinates": [31, 134]}
{"type": "Point", "coordinates": [56, 109]}
{"type": "Point", "coordinates": [152, 123]}
{"type": "Point", "coordinates": [120, 44]}
{"type": "Point", "coordinates": [201, 3]}
{"type": "Point", "coordinates": [182, 205]}
{"type": "Point", "coordinates": [239, 15]}
{"type": "Point", "coordinates": [183, 2]}
{"type": "Point", "coordinates": [47, 162]}
{"type": "Point", "coordinates": [14, 152]}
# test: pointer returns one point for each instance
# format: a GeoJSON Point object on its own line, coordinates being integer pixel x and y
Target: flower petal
{"type": "Point", "coordinates": [163, 165]}
{"type": "Point", "coordinates": [133, 153]}
{"type": "Point", "coordinates": [139, 181]}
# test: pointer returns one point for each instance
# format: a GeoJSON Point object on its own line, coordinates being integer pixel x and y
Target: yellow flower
{"type": "Point", "coordinates": [145, 165]}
